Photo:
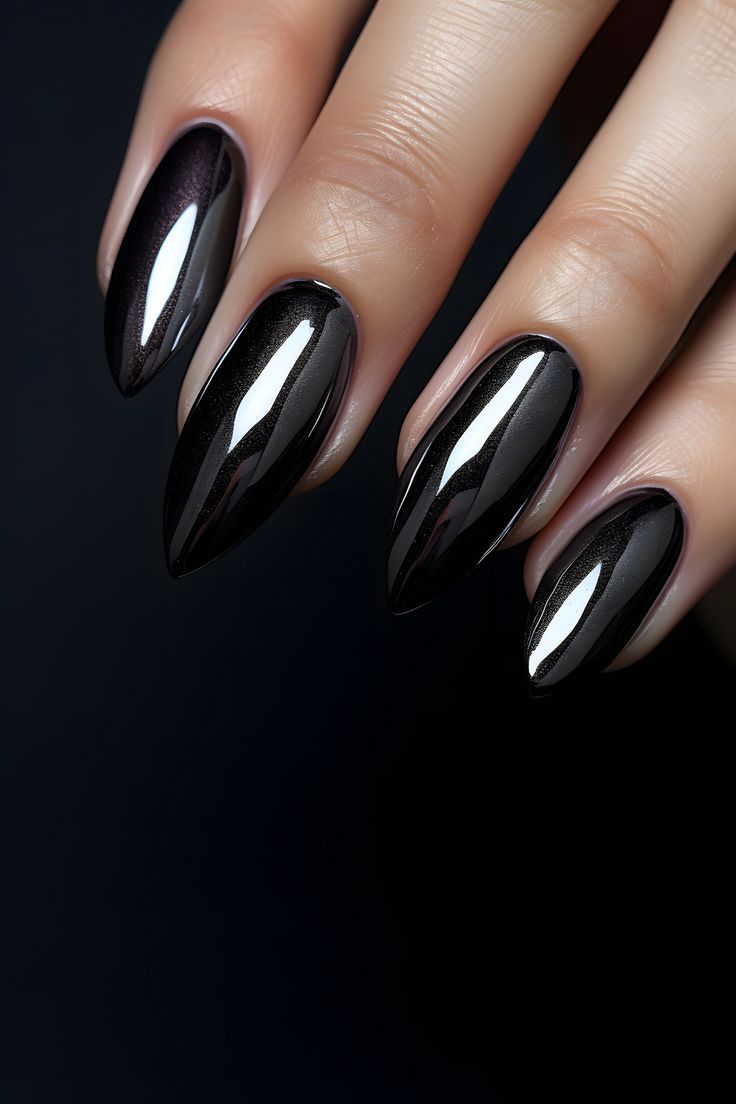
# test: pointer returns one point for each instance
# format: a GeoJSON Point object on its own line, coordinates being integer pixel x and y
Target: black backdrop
{"type": "Point", "coordinates": [262, 841]}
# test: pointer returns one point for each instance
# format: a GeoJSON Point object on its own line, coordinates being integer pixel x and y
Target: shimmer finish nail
{"type": "Point", "coordinates": [595, 596]}
{"type": "Point", "coordinates": [175, 256]}
{"type": "Point", "coordinates": [478, 466]}
{"type": "Point", "coordinates": [259, 422]}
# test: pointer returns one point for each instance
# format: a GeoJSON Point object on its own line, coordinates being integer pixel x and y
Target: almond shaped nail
{"type": "Point", "coordinates": [174, 258]}
{"type": "Point", "coordinates": [478, 465]}
{"type": "Point", "coordinates": [259, 422]}
{"type": "Point", "coordinates": [597, 593]}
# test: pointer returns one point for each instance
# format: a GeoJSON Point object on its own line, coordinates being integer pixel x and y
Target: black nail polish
{"type": "Point", "coordinates": [259, 422]}
{"type": "Point", "coordinates": [175, 256]}
{"type": "Point", "coordinates": [478, 466]}
{"type": "Point", "coordinates": [596, 594]}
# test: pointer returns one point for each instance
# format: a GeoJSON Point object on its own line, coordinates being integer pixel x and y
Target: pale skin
{"type": "Point", "coordinates": [380, 185]}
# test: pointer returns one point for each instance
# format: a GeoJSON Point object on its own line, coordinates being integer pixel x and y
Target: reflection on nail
{"type": "Point", "coordinates": [174, 258]}
{"type": "Point", "coordinates": [596, 594]}
{"type": "Point", "coordinates": [478, 466]}
{"type": "Point", "coordinates": [259, 422]}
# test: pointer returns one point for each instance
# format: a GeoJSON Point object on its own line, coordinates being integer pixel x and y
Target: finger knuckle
{"type": "Point", "coordinates": [612, 253]}
{"type": "Point", "coordinates": [286, 36]}
{"type": "Point", "coordinates": [379, 184]}
{"type": "Point", "coordinates": [220, 60]}
{"type": "Point", "coordinates": [271, 38]}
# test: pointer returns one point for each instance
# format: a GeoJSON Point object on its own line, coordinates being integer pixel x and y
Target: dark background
{"type": "Point", "coordinates": [263, 842]}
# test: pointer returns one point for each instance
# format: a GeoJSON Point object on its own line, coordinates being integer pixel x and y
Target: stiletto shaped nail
{"type": "Point", "coordinates": [478, 466]}
{"type": "Point", "coordinates": [175, 256]}
{"type": "Point", "coordinates": [596, 594]}
{"type": "Point", "coordinates": [259, 422]}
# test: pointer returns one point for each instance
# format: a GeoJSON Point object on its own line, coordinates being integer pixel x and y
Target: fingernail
{"type": "Point", "coordinates": [259, 422]}
{"type": "Point", "coordinates": [478, 466]}
{"type": "Point", "coordinates": [175, 256]}
{"type": "Point", "coordinates": [596, 594]}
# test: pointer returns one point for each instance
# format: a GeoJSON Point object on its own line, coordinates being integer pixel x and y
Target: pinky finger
{"type": "Point", "coordinates": [650, 528]}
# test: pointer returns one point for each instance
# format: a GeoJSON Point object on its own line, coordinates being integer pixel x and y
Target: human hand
{"type": "Point", "coordinates": [356, 224]}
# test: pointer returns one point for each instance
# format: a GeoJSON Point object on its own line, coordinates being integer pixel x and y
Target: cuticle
{"type": "Point", "coordinates": [199, 121]}
{"type": "Point", "coordinates": [483, 357]}
{"type": "Point", "coordinates": [599, 506]}
{"type": "Point", "coordinates": [281, 282]}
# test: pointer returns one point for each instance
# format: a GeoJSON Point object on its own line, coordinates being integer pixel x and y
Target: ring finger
{"type": "Point", "coordinates": [611, 274]}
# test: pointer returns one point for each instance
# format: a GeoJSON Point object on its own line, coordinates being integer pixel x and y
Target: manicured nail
{"type": "Point", "coordinates": [478, 466]}
{"type": "Point", "coordinates": [259, 422]}
{"type": "Point", "coordinates": [597, 593]}
{"type": "Point", "coordinates": [174, 258]}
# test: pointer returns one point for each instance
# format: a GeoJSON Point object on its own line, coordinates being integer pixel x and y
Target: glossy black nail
{"type": "Point", "coordinates": [595, 596]}
{"type": "Point", "coordinates": [478, 466]}
{"type": "Point", "coordinates": [175, 256]}
{"type": "Point", "coordinates": [259, 422]}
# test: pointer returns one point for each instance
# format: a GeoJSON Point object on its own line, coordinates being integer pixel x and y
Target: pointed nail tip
{"type": "Point", "coordinates": [176, 564]}
{"type": "Point", "coordinates": [529, 681]}
{"type": "Point", "coordinates": [127, 390]}
{"type": "Point", "coordinates": [395, 607]}
{"type": "Point", "coordinates": [185, 563]}
{"type": "Point", "coordinates": [176, 568]}
{"type": "Point", "coordinates": [400, 604]}
{"type": "Point", "coordinates": [396, 610]}
{"type": "Point", "coordinates": [535, 691]}
{"type": "Point", "coordinates": [129, 387]}
{"type": "Point", "coordinates": [557, 691]}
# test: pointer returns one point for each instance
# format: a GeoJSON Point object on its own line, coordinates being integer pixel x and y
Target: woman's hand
{"type": "Point", "coordinates": [357, 217]}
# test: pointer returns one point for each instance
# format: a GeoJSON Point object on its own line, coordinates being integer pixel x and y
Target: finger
{"type": "Point", "coordinates": [257, 75]}
{"type": "Point", "coordinates": [650, 528]}
{"type": "Point", "coordinates": [613, 272]}
{"type": "Point", "coordinates": [381, 203]}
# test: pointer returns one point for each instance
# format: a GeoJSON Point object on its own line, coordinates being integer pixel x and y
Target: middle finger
{"type": "Point", "coordinates": [434, 107]}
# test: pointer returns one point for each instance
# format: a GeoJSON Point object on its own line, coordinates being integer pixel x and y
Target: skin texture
{"type": "Point", "coordinates": [213, 63]}
{"type": "Point", "coordinates": [382, 195]}
{"type": "Point", "coordinates": [622, 258]}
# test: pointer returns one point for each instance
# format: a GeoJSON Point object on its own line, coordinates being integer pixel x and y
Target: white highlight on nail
{"type": "Point", "coordinates": [566, 619]}
{"type": "Point", "coordinates": [166, 268]}
{"type": "Point", "coordinates": [475, 436]}
{"type": "Point", "coordinates": [259, 398]}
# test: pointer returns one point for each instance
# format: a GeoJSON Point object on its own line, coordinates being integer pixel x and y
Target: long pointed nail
{"type": "Point", "coordinates": [478, 466]}
{"type": "Point", "coordinates": [260, 421]}
{"type": "Point", "coordinates": [596, 594]}
{"type": "Point", "coordinates": [175, 256]}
